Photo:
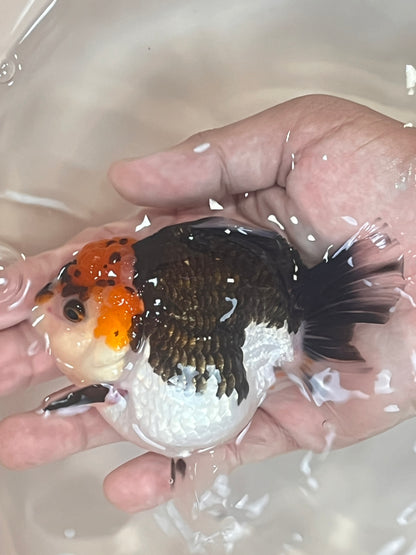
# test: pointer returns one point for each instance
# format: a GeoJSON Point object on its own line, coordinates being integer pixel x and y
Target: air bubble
{"type": "Point", "coordinates": [11, 283]}
{"type": "Point", "coordinates": [7, 71]}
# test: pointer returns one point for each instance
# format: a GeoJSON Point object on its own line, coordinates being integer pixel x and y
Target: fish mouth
{"type": "Point", "coordinates": [77, 398]}
{"type": "Point", "coordinates": [91, 369]}
{"type": "Point", "coordinates": [74, 397]}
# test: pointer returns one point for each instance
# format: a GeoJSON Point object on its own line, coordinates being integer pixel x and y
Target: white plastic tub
{"type": "Point", "coordinates": [98, 80]}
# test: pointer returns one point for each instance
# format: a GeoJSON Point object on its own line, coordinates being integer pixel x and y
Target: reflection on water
{"type": "Point", "coordinates": [220, 523]}
{"type": "Point", "coordinates": [10, 289]}
{"type": "Point", "coordinates": [96, 83]}
{"type": "Point", "coordinates": [7, 71]}
{"type": "Point", "coordinates": [410, 79]}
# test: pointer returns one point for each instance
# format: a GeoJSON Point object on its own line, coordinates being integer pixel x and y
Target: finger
{"type": "Point", "coordinates": [140, 484]}
{"type": "Point", "coordinates": [23, 359]}
{"type": "Point", "coordinates": [150, 480]}
{"type": "Point", "coordinates": [144, 482]}
{"type": "Point", "coordinates": [245, 156]}
{"type": "Point", "coordinates": [31, 439]}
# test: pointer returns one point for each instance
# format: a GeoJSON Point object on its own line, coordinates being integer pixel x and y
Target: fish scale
{"type": "Point", "coordinates": [190, 298]}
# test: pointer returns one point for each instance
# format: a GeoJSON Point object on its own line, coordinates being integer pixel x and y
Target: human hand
{"type": "Point", "coordinates": [316, 165]}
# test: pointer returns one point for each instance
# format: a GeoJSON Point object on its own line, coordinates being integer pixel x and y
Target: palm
{"type": "Point", "coordinates": [315, 165]}
{"type": "Point", "coordinates": [339, 172]}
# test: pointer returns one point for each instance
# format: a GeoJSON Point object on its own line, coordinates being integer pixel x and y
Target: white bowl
{"type": "Point", "coordinates": [99, 80]}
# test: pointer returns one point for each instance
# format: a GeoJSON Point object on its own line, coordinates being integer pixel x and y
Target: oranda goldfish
{"type": "Point", "coordinates": [176, 338]}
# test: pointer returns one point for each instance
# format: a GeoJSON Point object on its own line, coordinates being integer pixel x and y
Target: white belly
{"type": "Point", "coordinates": [171, 418]}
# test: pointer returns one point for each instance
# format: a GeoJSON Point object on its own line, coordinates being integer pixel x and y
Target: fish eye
{"type": "Point", "coordinates": [74, 310]}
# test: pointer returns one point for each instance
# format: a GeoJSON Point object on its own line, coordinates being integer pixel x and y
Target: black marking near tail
{"type": "Point", "coordinates": [360, 283]}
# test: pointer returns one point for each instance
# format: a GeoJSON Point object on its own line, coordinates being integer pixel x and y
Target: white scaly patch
{"type": "Point", "coordinates": [174, 419]}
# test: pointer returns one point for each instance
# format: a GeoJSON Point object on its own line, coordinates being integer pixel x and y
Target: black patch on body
{"type": "Point", "coordinates": [186, 272]}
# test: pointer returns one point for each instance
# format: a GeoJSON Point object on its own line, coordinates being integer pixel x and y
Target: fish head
{"type": "Point", "coordinates": [90, 313]}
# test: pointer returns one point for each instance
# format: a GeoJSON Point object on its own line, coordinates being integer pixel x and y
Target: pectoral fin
{"type": "Point", "coordinates": [73, 396]}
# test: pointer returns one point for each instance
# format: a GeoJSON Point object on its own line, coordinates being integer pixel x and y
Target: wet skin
{"type": "Point", "coordinates": [340, 162]}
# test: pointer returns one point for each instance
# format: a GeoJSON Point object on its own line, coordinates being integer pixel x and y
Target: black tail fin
{"type": "Point", "coordinates": [360, 283]}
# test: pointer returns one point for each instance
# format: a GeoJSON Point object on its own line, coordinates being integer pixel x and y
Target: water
{"type": "Point", "coordinates": [139, 79]}
{"type": "Point", "coordinates": [7, 71]}
{"type": "Point", "coordinates": [11, 286]}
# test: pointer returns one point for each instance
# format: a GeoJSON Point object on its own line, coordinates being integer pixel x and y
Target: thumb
{"type": "Point", "coordinates": [238, 158]}
{"type": "Point", "coordinates": [180, 177]}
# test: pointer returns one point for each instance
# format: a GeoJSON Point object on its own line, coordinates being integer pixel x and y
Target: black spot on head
{"type": "Point", "coordinates": [130, 289]}
{"type": "Point", "coordinates": [101, 282]}
{"type": "Point", "coordinates": [111, 282]}
{"type": "Point", "coordinates": [110, 242]}
{"type": "Point", "coordinates": [63, 275]}
{"type": "Point", "coordinates": [114, 257]}
{"type": "Point", "coordinates": [123, 241]}
{"type": "Point", "coordinates": [116, 333]}
{"type": "Point", "coordinates": [71, 289]}
{"type": "Point", "coordinates": [77, 273]}
{"type": "Point", "coordinates": [84, 294]}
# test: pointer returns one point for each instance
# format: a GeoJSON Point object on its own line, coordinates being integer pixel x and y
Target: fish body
{"type": "Point", "coordinates": [186, 327]}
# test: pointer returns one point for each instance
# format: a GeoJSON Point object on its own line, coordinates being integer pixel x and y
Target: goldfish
{"type": "Point", "coordinates": [176, 338]}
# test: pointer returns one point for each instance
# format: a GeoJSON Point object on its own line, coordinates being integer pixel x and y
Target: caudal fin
{"type": "Point", "coordinates": [360, 283]}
